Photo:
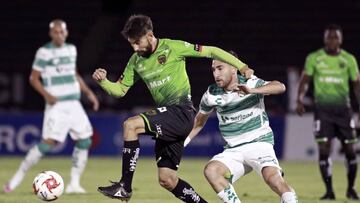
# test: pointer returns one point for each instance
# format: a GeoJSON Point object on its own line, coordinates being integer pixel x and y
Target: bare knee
{"type": "Point", "coordinates": [168, 181]}
{"type": "Point", "coordinates": [132, 127]}
{"type": "Point", "coordinates": [273, 178]}
{"type": "Point", "coordinates": [211, 171]}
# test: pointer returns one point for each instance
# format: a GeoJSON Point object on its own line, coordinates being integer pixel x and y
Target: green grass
{"type": "Point", "coordinates": [303, 176]}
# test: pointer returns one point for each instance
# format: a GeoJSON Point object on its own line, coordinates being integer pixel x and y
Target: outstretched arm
{"type": "Point", "coordinates": [273, 87]}
{"type": "Point", "coordinates": [115, 89]}
{"type": "Point", "coordinates": [303, 87]}
{"type": "Point", "coordinates": [199, 123]}
{"type": "Point", "coordinates": [221, 55]}
{"type": "Point", "coordinates": [87, 91]}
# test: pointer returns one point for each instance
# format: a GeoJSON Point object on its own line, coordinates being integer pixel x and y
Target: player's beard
{"type": "Point", "coordinates": [147, 52]}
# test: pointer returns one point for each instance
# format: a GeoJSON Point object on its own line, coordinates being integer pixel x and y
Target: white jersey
{"type": "Point", "coordinates": [242, 118]}
{"type": "Point", "coordinates": [58, 70]}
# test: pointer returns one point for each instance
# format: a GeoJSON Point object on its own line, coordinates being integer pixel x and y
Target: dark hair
{"type": "Point", "coordinates": [137, 26]}
{"type": "Point", "coordinates": [334, 27]}
{"type": "Point", "coordinates": [233, 53]}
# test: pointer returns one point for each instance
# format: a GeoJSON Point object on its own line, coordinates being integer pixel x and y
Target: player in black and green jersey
{"type": "Point", "coordinates": [160, 63]}
{"type": "Point", "coordinates": [331, 69]}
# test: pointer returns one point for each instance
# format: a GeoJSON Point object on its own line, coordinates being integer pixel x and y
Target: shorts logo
{"type": "Point", "coordinates": [198, 47]}
{"type": "Point", "coordinates": [162, 59]}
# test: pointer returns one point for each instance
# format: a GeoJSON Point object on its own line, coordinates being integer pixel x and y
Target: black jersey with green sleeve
{"type": "Point", "coordinates": [164, 72]}
{"type": "Point", "coordinates": [331, 76]}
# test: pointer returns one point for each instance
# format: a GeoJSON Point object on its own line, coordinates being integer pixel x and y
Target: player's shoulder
{"type": "Point", "coordinates": [346, 54]}
{"type": "Point", "coordinates": [70, 45]}
{"type": "Point", "coordinates": [316, 53]}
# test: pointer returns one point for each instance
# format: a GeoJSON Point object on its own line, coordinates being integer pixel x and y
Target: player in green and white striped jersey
{"type": "Point", "coordinates": [54, 76]}
{"type": "Point", "coordinates": [244, 124]}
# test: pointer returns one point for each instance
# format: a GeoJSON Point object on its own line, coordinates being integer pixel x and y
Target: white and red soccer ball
{"type": "Point", "coordinates": [48, 185]}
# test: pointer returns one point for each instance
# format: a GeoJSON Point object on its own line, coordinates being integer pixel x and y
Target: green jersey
{"type": "Point", "coordinates": [331, 75]}
{"type": "Point", "coordinates": [164, 72]}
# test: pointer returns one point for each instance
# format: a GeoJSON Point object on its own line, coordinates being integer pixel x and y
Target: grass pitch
{"type": "Point", "coordinates": [303, 176]}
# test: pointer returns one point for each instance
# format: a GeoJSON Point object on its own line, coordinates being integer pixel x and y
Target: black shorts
{"type": "Point", "coordinates": [170, 125]}
{"type": "Point", "coordinates": [334, 122]}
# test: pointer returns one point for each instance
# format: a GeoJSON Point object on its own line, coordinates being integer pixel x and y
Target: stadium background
{"type": "Point", "coordinates": [271, 37]}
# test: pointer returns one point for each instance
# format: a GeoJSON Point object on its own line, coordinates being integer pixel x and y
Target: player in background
{"type": "Point", "coordinates": [160, 63]}
{"type": "Point", "coordinates": [55, 77]}
{"type": "Point", "coordinates": [331, 69]}
{"type": "Point", "coordinates": [244, 124]}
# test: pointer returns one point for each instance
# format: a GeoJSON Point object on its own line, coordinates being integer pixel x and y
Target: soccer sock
{"type": "Point", "coordinates": [32, 157]}
{"type": "Point", "coordinates": [289, 197]}
{"type": "Point", "coordinates": [79, 161]}
{"type": "Point", "coordinates": [186, 193]}
{"type": "Point", "coordinates": [351, 169]}
{"type": "Point", "coordinates": [326, 173]}
{"type": "Point", "coordinates": [130, 156]}
{"type": "Point", "coordinates": [228, 195]}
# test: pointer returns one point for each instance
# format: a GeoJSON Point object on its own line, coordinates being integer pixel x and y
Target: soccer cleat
{"type": "Point", "coordinates": [71, 189]}
{"type": "Point", "coordinates": [7, 188]}
{"type": "Point", "coordinates": [116, 191]}
{"type": "Point", "coordinates": [351, 194]}
{"type": "Point", "coordinates": [328, 196]}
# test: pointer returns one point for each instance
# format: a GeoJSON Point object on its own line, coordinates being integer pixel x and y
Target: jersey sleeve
{"type": "Point", "coordinates": [205, 107]}
{"type": "Point", "coordinates": [353, 69]}
{"type": "Point", "coordinates": [309, 65]}
{"type": "Point", "coordinates": [185, 49]}
{"type": "Point", "coordinates": [41, 59]}
{"type": "Point", "coordinates": [130, 76]}
{"type": "Point", "coordinates": [255, 82]}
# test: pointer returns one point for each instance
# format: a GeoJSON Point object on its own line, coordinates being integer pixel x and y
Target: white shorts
{"type": "Point", "coordinates": [254, 156]}
{"type": "Point", "coordinates": [66, 117]}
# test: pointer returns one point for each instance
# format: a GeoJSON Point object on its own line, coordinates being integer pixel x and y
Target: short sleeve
{"type": "Point", "coordinates": [309, 65]}
{"type": "Point", "coordinates": [205, 107]}
{"type": "Point", "coordinates": [353, 69]}
{"type": "Point", "coordinates": [41, 59]}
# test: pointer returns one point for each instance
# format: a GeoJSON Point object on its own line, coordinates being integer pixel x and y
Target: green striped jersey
{"type": "Point", "coordinates": [58, 70]}
{"type": "Point", "coordinates": [242, 118]}
{"type": "Point", "coordinates": [331, 75]}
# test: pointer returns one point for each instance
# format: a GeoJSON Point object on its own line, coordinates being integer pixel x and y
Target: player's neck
{"type": "Point", "coordinates": [332, 52]}
{"type": "Point", "coordinates": [154, 44]}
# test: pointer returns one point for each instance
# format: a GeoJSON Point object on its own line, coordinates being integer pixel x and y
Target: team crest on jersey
{"type": "Point", "coordinates": [162, 59]}
{"type": "Point", "coordinates": [342, 65]}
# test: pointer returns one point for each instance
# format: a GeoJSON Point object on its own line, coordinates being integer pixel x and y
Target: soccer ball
{"type": "Point", "coordinates": [48, 185]}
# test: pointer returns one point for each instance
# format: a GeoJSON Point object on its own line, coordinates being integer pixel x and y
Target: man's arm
{"type": "Point", "coordinates": [221, 55]}
{"type": "Point", "coordinates": [199, 123]}
{"type": "Point", "coordinates": [356, 89]}
{"type": "Point", "coordinates": [115, 89]}
{"type": "Point", "coordinates": [35, 82]}
{"type": "Point", "coordinates": [303, 87]}
{"type": "Point", "coordinates": [273, 87]}
{"type": "Point", "coordinates": [87, 91]}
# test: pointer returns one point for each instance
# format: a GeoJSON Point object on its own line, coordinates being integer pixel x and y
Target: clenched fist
{"type": "Point", "coordinates": [99, 75]}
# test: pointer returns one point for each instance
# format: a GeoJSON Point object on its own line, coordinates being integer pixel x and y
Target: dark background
{"type": "Point", "coordinates": [269, 36]}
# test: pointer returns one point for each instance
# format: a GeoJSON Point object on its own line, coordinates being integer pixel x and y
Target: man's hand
{"type": "Point", "coordinates": [300, 109]}
{"type": "Point", "coordinates": [99, 75]}
{"type": "Point", "coordinates": [242, 89]}
{"type": "Point", "coordinates": [50, 99]}
{"type": "Point", "coordinates": [247, 72]}
{"type": "Point", "coordinates": [94, 100]}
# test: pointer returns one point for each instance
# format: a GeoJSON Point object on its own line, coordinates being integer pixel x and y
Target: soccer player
{"type": "Point", "coordinates": [244, 124]}
{"type": "Point", "coordinates": [160, 63]}
{"type": "Point", "coordinates": [331, 69]}
{"type": "Point", "coordinates": [54, 76]}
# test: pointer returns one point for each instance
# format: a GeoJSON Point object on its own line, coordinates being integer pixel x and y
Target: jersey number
{"type": "Point", "coordinates": [162, 109]}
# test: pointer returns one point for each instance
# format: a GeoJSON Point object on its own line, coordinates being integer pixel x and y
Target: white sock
{"type": "Point", "coordinates": [289, 197]}
{"type": "Point", "coordinates": [228, 195]}
{"type": "Point", "coordinates": [31, 158]}
{"type": "Point", "coordinates": [79, 160]}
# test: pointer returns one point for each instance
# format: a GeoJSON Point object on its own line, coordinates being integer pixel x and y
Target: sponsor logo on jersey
{"type": "Point", "coordinates": [198, 47]}
{"type": "Point", "coordinates": [162, 59]}
{"type": "Point", "coordinates": [157, 83]}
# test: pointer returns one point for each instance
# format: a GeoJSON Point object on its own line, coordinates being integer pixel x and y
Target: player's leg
{"type": "Point", "coordinates": [324, 132]}
{"type": "Point", "coordinates": [272, 177]}
{"type": "Point", "coordinates": [261, 157]}
{"type": "Point", "coordinates": [123, 189]}
{"type": "Point", "coordinates": [81, 132]}
{"type": "Point", "coordinates": [347, 135]}
{"type": "Point", "coordinates": [218, 175]}
{"type": "Point", "coordinates": [168, 156]}
{"type": "Point", "coordinates": [32, 157]}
